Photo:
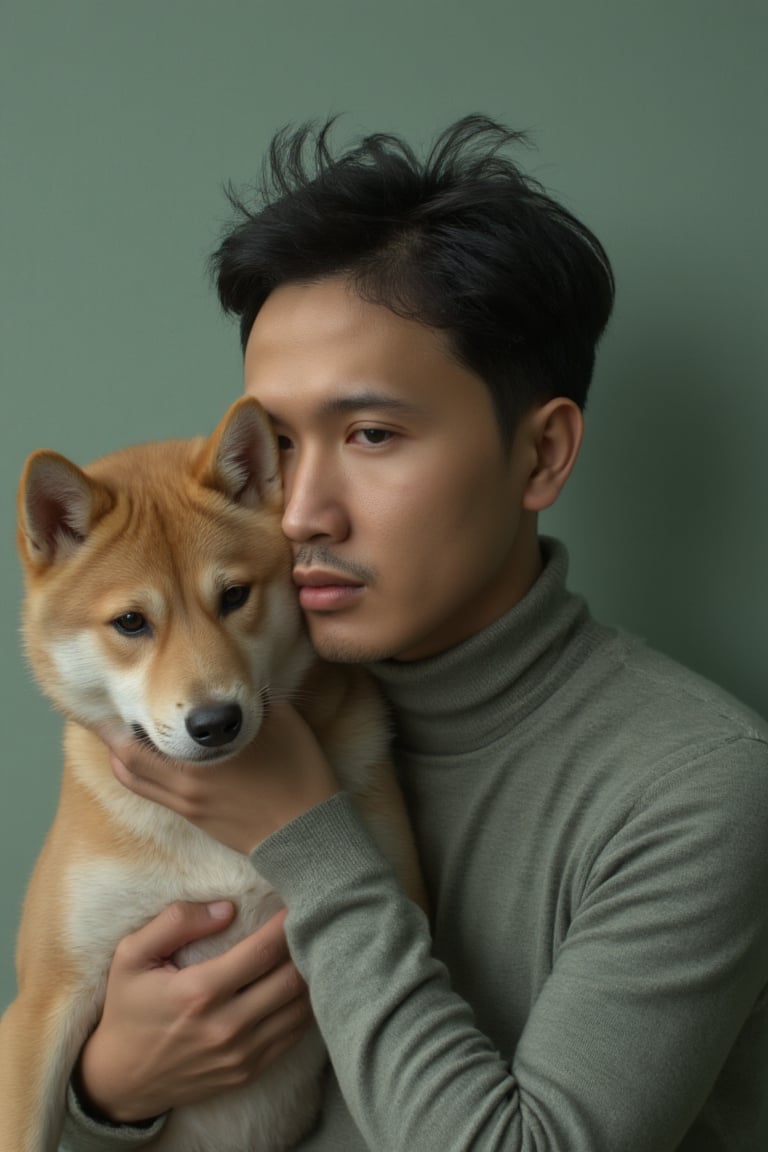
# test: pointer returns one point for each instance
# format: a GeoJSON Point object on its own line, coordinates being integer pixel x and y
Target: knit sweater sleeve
{"type": "Point", "coordinates": [83, 1134]}
{"type": "Point", "coordinates": [664, 960]}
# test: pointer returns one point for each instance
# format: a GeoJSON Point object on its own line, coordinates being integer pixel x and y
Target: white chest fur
{"type": "Point", "coordinates": [109, 899]}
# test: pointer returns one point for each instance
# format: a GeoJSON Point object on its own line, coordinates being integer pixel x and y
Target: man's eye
{"type": "Point", "coordinates": [131, 624]}
{"type": "Point", "coordinates": [233, 597]}
{"type": "Point", "coordinates": [374, 436]}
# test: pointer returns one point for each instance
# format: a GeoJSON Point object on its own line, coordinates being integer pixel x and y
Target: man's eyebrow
{"type": "Point", "coordinates": [365, 398]}
{"type": "Point", "coordinates": [346, 402]}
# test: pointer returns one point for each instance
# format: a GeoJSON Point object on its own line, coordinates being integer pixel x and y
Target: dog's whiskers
{"type": "Point", "coordinates": [141, 739]}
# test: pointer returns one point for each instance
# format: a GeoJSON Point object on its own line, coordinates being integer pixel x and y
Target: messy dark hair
{"type": "Point", "coordinates": [462, 241]}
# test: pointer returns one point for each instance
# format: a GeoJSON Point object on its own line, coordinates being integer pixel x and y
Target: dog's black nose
{"type": "Point", "coordinates": [214, 725]}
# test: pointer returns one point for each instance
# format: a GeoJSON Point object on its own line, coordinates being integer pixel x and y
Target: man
{"type": "Point", "coordinates": [592, 818]}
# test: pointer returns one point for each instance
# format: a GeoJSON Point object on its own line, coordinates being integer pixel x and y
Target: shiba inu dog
{"type": "Point", "coordinates": [159, 603]}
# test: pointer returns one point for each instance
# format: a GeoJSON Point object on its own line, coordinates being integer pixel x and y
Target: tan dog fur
{"type": "Point", "coordinates": [163, 529]}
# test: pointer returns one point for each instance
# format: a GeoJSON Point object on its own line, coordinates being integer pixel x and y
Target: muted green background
{"type": "Point", "coordinates": [119, 123]}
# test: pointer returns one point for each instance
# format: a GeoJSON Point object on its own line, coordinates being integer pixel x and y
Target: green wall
{"type": "Point", "coordinates": [120, 121]}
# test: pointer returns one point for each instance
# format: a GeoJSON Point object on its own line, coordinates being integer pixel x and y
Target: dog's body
{"type": "Point", "coordinates": [137, 621]}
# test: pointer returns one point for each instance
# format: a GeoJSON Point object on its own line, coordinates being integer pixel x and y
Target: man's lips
{"type": "Point", "coordinates": [323, 591]}
{"type": "Point", "coordinates": [322, 578]}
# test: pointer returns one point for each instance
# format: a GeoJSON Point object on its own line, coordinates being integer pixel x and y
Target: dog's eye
{"type": "Point", "coordinates": [131, 623]}
{"type": "Point", "coordinates": [234, 597]}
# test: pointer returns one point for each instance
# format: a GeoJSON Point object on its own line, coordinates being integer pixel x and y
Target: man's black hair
{"type": "Point", "coordinates": [462, 241]}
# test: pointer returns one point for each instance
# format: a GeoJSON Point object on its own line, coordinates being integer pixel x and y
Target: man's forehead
{"type": "Point", "coordinates": [323, 347]}
{"type": "Point", "coordinates": [295, 313]}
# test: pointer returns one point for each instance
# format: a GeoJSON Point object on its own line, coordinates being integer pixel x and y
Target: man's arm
{"type": "Point", "coordinates": [663, 962]}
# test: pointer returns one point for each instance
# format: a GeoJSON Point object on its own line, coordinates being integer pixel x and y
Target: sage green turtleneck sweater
{"type": "Point", "coordinates": [593, 826]}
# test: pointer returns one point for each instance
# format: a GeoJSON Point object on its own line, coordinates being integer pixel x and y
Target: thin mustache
{"type": "Point", "coordinates": [319, 557]}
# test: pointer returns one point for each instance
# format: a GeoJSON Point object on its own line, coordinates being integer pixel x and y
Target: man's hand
{"type": "Point", "coordinates": [169, 1036]}
{"type": "Point", "coordinates": [243, 800]}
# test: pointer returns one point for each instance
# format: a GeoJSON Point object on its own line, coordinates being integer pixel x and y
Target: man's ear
{"type": "Point", "coordinates": [58, 506]}
{"type": "Point", "coordinates": [240, 459]}
{"type": "Point", "coordinates": [554, 432]}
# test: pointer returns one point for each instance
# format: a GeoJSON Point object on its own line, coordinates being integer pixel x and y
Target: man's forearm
{"type": "Point", "coordinates": [591, 1068]}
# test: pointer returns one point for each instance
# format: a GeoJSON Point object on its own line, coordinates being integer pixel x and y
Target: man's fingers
{"type": "Point", "coordinates": [251, 959]}
{"type": "Point", "coordinates": [134, 770]}
{"type": "Point", "coordinates": [175, 926]}
{"type": "Point", "coordinates": [145, 774]}
{"type": "Point", "coordinates": [287, 1034]}
{"type": "Point", "coordinates": [262, 953]}
{"type": "Point", "coordinates": [272, 992]}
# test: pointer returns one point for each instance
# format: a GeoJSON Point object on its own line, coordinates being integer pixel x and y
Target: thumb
{"type": "Point", "coordinates": [178, 924]}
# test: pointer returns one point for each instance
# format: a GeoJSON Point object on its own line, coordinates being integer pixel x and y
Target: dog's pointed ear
{"type": "Point", "coordinates": [58, 506]}
{"type": "Point", "coordinates": [241, 458]}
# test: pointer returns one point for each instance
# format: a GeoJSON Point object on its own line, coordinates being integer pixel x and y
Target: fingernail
{"type": "Point", "coordinates": [220, 910]}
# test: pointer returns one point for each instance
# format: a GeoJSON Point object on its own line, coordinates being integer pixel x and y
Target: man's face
{"type": "Point", "coordinates": [402, 505]}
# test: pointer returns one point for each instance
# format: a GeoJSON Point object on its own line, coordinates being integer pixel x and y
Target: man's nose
{"type": "Point", "coordinates": [314, 504]}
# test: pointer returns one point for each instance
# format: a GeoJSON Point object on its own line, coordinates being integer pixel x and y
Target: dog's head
{"type": "Point", "coordinates": [159, 600]}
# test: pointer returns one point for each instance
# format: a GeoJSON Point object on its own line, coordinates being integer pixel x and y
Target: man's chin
{"type": "Point", "coordinates": [339, 650]}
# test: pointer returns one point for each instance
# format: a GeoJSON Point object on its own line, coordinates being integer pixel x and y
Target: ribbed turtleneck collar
{"type": "Point", "coordinates": [463, 699]}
